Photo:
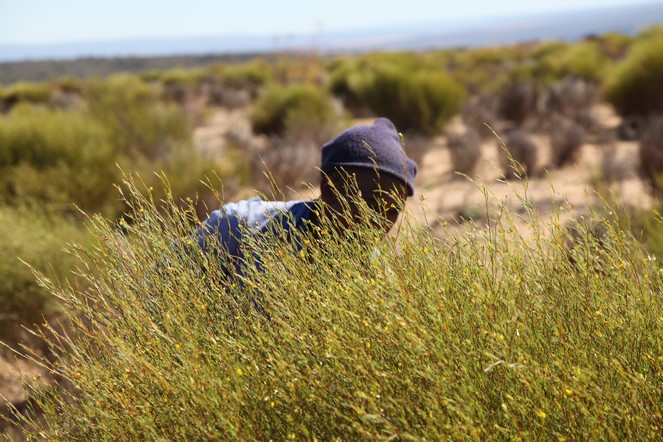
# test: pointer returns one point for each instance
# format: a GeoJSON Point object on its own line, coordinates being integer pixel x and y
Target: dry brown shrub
{"type": "Point", "coordinates": [518, 102]}
{"type": "Point", "coordinates": [631, 128]}
{"type": "Point", "coordinates": [480, 114]}
{"type": "Point", "coordinates": [566, 138]}
{"type": "Point", "coordinates": [465, 151]}
{"type": "Point", "coordinates": [179, 93]}
{"type": "Point", "coordinates": [612, 170]}
{"type": "Point", "coordinates": [571, 97]}
{"type": "Point", "coordinates": [286, 165]}
{"type": "Point", "coordinates": [651, 152]}
{"type": "Point", "coordinates": [416, 146]}
{"type": "Point", "coordinates": [518, 154]}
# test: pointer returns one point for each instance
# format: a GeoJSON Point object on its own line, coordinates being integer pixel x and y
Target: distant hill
{"type": "Point", "coordinates": [40, 62]}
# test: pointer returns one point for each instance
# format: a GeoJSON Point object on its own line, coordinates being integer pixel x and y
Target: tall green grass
{"type": "Point", "coordinates": [489, 333]}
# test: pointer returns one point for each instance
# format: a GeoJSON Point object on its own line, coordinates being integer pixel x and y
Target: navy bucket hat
{"type": "Point", "coordinates": [376, 146]}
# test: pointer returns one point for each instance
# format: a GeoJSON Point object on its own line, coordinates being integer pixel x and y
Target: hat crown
{"type": "Point", "coordinates": [376, 146]}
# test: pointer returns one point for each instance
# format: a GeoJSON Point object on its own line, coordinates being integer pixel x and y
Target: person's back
{"type": "Point", "coordinates": [226, 228]}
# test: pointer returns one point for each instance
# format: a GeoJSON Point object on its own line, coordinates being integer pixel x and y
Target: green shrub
{"type": "Point", "coordinates": [69, 85]}
{"type": "Point", "coordinates": [24, 92]}
{"type": "Point", "coordinates": [56, 159]}
{"type": "Point", "coordinates": [483, 335]}
{"type": "Point", "coordinates": [180, 76]}
{"type": "Point", "coordinates": [139, 125]}
{"type": "Point", "coordinates": [248, 75]}
{"type": "Point", "coordinates": [482, 70]}
{"type": "Point", "coordinates": [345, 74]}
{"type": "Point", "coordinates": [38, 238]}
{"type": "Point", "coordinates": [614, 45]}
{"type": "Point", "coordinates": [652, 32]}
{"type": "Point", "coordinates": [421, 100]}
{"type": "Point", "coordinates": [179, 85]}
{"type": "Point", "coordinates": [61, 160]}
{"type": "Point", "coordinates": [635, 86]}
{"type": "Point", "coordinates": [280, 106]}
{"type": "Point", "coordinates": [581, 60]}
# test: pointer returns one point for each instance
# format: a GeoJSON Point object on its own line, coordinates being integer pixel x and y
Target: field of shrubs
{"type": "Point", "coordinates": [464, 334]}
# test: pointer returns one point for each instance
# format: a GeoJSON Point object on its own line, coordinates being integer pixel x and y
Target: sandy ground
{"type": "Point", "coordinates": [444, 195]}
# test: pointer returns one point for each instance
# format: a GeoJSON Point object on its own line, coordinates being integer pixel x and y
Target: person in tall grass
{"type": "Point", "coordinates": [364, 167]}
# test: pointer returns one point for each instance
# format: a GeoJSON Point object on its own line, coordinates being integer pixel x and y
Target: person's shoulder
{"type": "Point", "coordinates": [257, 212]}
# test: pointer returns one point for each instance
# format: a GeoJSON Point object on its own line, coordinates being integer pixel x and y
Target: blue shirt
{"type": "Point", "coordinates": [233, 221]}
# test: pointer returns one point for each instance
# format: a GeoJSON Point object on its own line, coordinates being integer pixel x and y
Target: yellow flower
{"type": "Point", "coordinates": [239, 371]}
{"type": "Point", "coordinates": [541, 414]}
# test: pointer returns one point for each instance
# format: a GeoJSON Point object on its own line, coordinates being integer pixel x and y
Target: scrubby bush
{"type": "Point", "coordinates": [286, 164]}
{"type": "Point", "coordinates": [281, 107]}
{"type": "Point", "coordinates": [56, 159]}
{"type": "Point", "coordinates": [344, 78]}
{"type": "Point", "coordinates": [651, 152]}
{"type": "Point", "coordinates": [582, 60]}
{"type": "Point", "coordinates": [179, 85]}
{"type": "Point", "coordinates": [517, 101]}
{"type": "Point", "coordinates": [518, 154]}
{"type": "Point", "coordinates": [69, 85]}
{"type": "Point", "coordinates": [24, 92]}
{"type": "Point", "coordinates": [566, 138]}
{"type": "Point", "coordinates": [298, 119]}
{"type": "Point", "coordinates": [635, 87]}
{"type": "Point", "coordinates": [138, 123]}
{"type": "Point", "coordinates": [238, 85]}
{"type": "Point", "coordinates": [480, 335]}
{"type": "Point", "coordinates": [64, 159]}
{"type": "Point", "coordinates": [480, 114]}
{"type": "Point", "coordinates": [649, 33]}
{"type": "Point", "coordinates": [572, 98]}
{"type": "Point", "coordinates": [420, 100]}
{"type": "Point", "coordinates": [38, 238]}
{"type": "Point", "coordinates": [252, 75]}
{"type": "Point", "coordinates": [465, 151]}
{"type": "Point", "coordinates": [614, 45]}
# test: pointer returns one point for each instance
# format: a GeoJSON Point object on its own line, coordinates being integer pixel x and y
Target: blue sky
{"type": "Point", "coordinates": [54, 21]}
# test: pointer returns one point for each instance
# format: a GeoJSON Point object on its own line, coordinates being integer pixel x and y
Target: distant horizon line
{"type": "Point", "coordinates": [569, 25]}
{"type": "Point", "coordinates": [375, 28]}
